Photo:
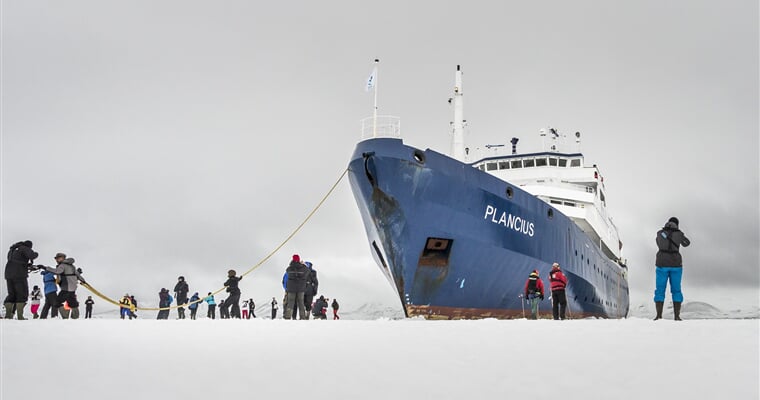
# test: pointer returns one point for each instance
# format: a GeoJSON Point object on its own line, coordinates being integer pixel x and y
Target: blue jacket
{"type": "Point", "coordinates": [194, 305]}
{"type": "Point", "coordinates": [285, 281]}
{"type": "Point", "coordinates": [210, 300]}
{"type": "Point", "coordinates": [49, 279]}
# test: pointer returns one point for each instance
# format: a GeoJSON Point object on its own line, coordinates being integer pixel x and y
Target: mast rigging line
{"type": "Point", "coordinates": [260, 263]}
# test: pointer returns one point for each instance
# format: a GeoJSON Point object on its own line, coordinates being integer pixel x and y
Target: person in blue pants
{"type": "Point", "coordinates": [669, 267]}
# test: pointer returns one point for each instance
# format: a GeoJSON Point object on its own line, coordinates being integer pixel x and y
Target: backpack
{"type": "Point", "coordinates": [532, 286]}
{"type": "Point", "coordinates": [664, 243]}
{"type": "Point", "coordinates": [169, 299]}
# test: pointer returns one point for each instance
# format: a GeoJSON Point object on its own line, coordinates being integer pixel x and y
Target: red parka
{"type": "Point", "coordinates": [557, 280]}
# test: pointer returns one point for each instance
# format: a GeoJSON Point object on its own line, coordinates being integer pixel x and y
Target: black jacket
{"type": "Point", "coordinates": [320, 307]}
{"type": "Point", "coordinates": [297, 274]}
{"type": "Point", "coordinates": [232, 284]}
{"type": "Point", "coordinates": [669, 239]}
{"type": "Point", "coordinates": [312, 283]}
{"type": "Point", "coordinates": [20, 257]}
{"type": "Point", "coordinates": [163, 299]}
{"type": "Point", "coordinates": [181, 289]}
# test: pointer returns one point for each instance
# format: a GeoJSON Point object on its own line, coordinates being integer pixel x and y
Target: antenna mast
{"type": "Point", "coordinates": [457, 136]}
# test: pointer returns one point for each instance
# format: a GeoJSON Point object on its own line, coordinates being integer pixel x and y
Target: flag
{"type": "Point", "coordinates": [372, 80]}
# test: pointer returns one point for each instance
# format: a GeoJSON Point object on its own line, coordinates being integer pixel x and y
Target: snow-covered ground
{"type": "Point", "coordinates": [636, 358]}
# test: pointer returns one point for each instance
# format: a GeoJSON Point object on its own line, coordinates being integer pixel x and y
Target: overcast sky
{"type": "Point", "coordinates": [151, 139]}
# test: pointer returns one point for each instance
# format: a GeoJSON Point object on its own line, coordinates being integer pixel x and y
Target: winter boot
{"type": "Point", "coordinates": [677, 311]}
{"type": "Point", "coordinates": [658, 306]}
{"type": "Point", "coordinates": [8, 310]}
{"type": "Point", "coordinates": [75, 313]}
{"type": "Point", "coordinates": [20, 311]}
{"type": "Point", "coordinates": [63, 312]}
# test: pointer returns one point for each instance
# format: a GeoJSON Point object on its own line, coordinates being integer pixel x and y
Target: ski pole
{"type": "Point", "coordinates": [522, 300]}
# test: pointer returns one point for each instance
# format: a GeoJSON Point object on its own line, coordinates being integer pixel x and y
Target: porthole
{"type": "Point", "coordinates": [550, 213]}
{"type": "Point", "coordinates": [510, 193]}
{"type": "Point", "coordinates": [419, 156]}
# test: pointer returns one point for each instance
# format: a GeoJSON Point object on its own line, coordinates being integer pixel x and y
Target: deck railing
{"type": "Point", "coordinates": [385, 126]}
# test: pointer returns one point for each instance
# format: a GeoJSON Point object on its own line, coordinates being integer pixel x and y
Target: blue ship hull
{"type": "Point", "coordinates": [456, 242]}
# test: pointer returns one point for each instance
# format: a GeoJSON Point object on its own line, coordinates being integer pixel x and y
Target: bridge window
{"type": "Point", "coordinates": [491, 166]}
{"type": "Point", "coordinates": [516, 164]}
{"type": "Point", "coordinates": [575, 162]}
{"type": "Point", "coordinates": [528, 163]}
{"type": "Point", "coordinates": [541, 162]}
{"type": "Point", "coordinates": [503, 164]}
{"type": "Point", "coordinates": [553, 162]}
{"type": "Point", "coordinates": [563, 162]}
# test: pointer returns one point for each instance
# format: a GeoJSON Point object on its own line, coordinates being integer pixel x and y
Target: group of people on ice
{"type": "Point", "coordinates": [301, 286]}
{"type": "Point", "coordinates": [534, 292]}
{"type": "Point", "coordinates": [64, 275]}
{"type": "Point", "coordinates": [668, 269]}
{"type": "Point", "coordinates": [299, 282]}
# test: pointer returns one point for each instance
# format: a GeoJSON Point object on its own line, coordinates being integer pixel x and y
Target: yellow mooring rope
{"type": "Point", "coordinates": [265, 259]}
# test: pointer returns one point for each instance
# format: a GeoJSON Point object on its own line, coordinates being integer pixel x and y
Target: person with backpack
{"type": "Point", "coordinates": [320, 308]}
{"type": "Point", "coordinates": [69, 276]}
{"type": "Point", "coordinates": [312, 287]}
{"type": "Point", "coordinates": [20, 257]}
{"type": "Point", "coordinates": [211, 306]}
{"type": "Point", "coordinates": [180, 292]}
{"type": "Point", "coordinates": [557, 284]}
{"type": "Point", "coordinates": [88, 307]}
{"type": "Point", "coordinates": [133, 307]}
{"type": "Point", "coordinates": [164, 302]}
{"type": "Point", "coordinates": [296, 287]}
{"type": "Point", "coordinates": [669, 267]}
{"type": "Point", "coordinates": [275, 306]}
{"type": "Point", "coordinates": [534, 292]}
{"type": "Point", "coordinates": [335, 308]}
{"type": "Point", "coordinates": [193, 306]}
{"type": "Point", "coordinates": [124, 305]}
{"type": "Point", "coordinates": [233, 300]}
{"type": "Point", "coordinates": [35, 296]}
{"type": "Point", "coordinates": [51, 295]}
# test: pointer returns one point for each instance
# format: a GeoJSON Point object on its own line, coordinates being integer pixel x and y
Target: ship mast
{"type": "Point", "coordinates": [457, 133]}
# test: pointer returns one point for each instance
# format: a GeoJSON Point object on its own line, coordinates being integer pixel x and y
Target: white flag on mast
{"type": "Point", "coordinates": [372, 80]}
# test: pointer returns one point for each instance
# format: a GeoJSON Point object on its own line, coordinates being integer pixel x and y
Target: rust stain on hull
{"type": "Point", "coordinates": [454, 313]}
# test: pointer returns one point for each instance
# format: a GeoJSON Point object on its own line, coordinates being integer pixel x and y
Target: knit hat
{"type": "Point", "coordinates": [61, 255]}
{"type": "Point", "coordinates": [555, 265]}
{"type": "Point", "coordinates": [673, 220]}
{"type": "Point", "coordinates": [534, 273]}
{"type": "Point", "coordinates": [296, 258]}
{"type": "Point", "coordinates": [308, 264]}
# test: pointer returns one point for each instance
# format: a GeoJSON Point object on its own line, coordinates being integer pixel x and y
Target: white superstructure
{"type": "Point", "coordinates": [567, 184]}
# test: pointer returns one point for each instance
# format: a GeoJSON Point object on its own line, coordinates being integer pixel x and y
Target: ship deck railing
{"type": "Point", "coordinates": [387, 126]}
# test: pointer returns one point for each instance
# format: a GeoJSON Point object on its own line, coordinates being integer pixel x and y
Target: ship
{"type": "Point", "coordinates": [458, 239]}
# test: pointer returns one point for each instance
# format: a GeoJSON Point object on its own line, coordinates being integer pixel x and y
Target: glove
{"type": "Point", "coordinates": [541, 297]}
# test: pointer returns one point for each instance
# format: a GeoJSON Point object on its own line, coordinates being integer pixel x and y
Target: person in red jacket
{"type": "Point", "coordinates": [534, 292]}
{"type": "Point", "coordinates": [557, 283]}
